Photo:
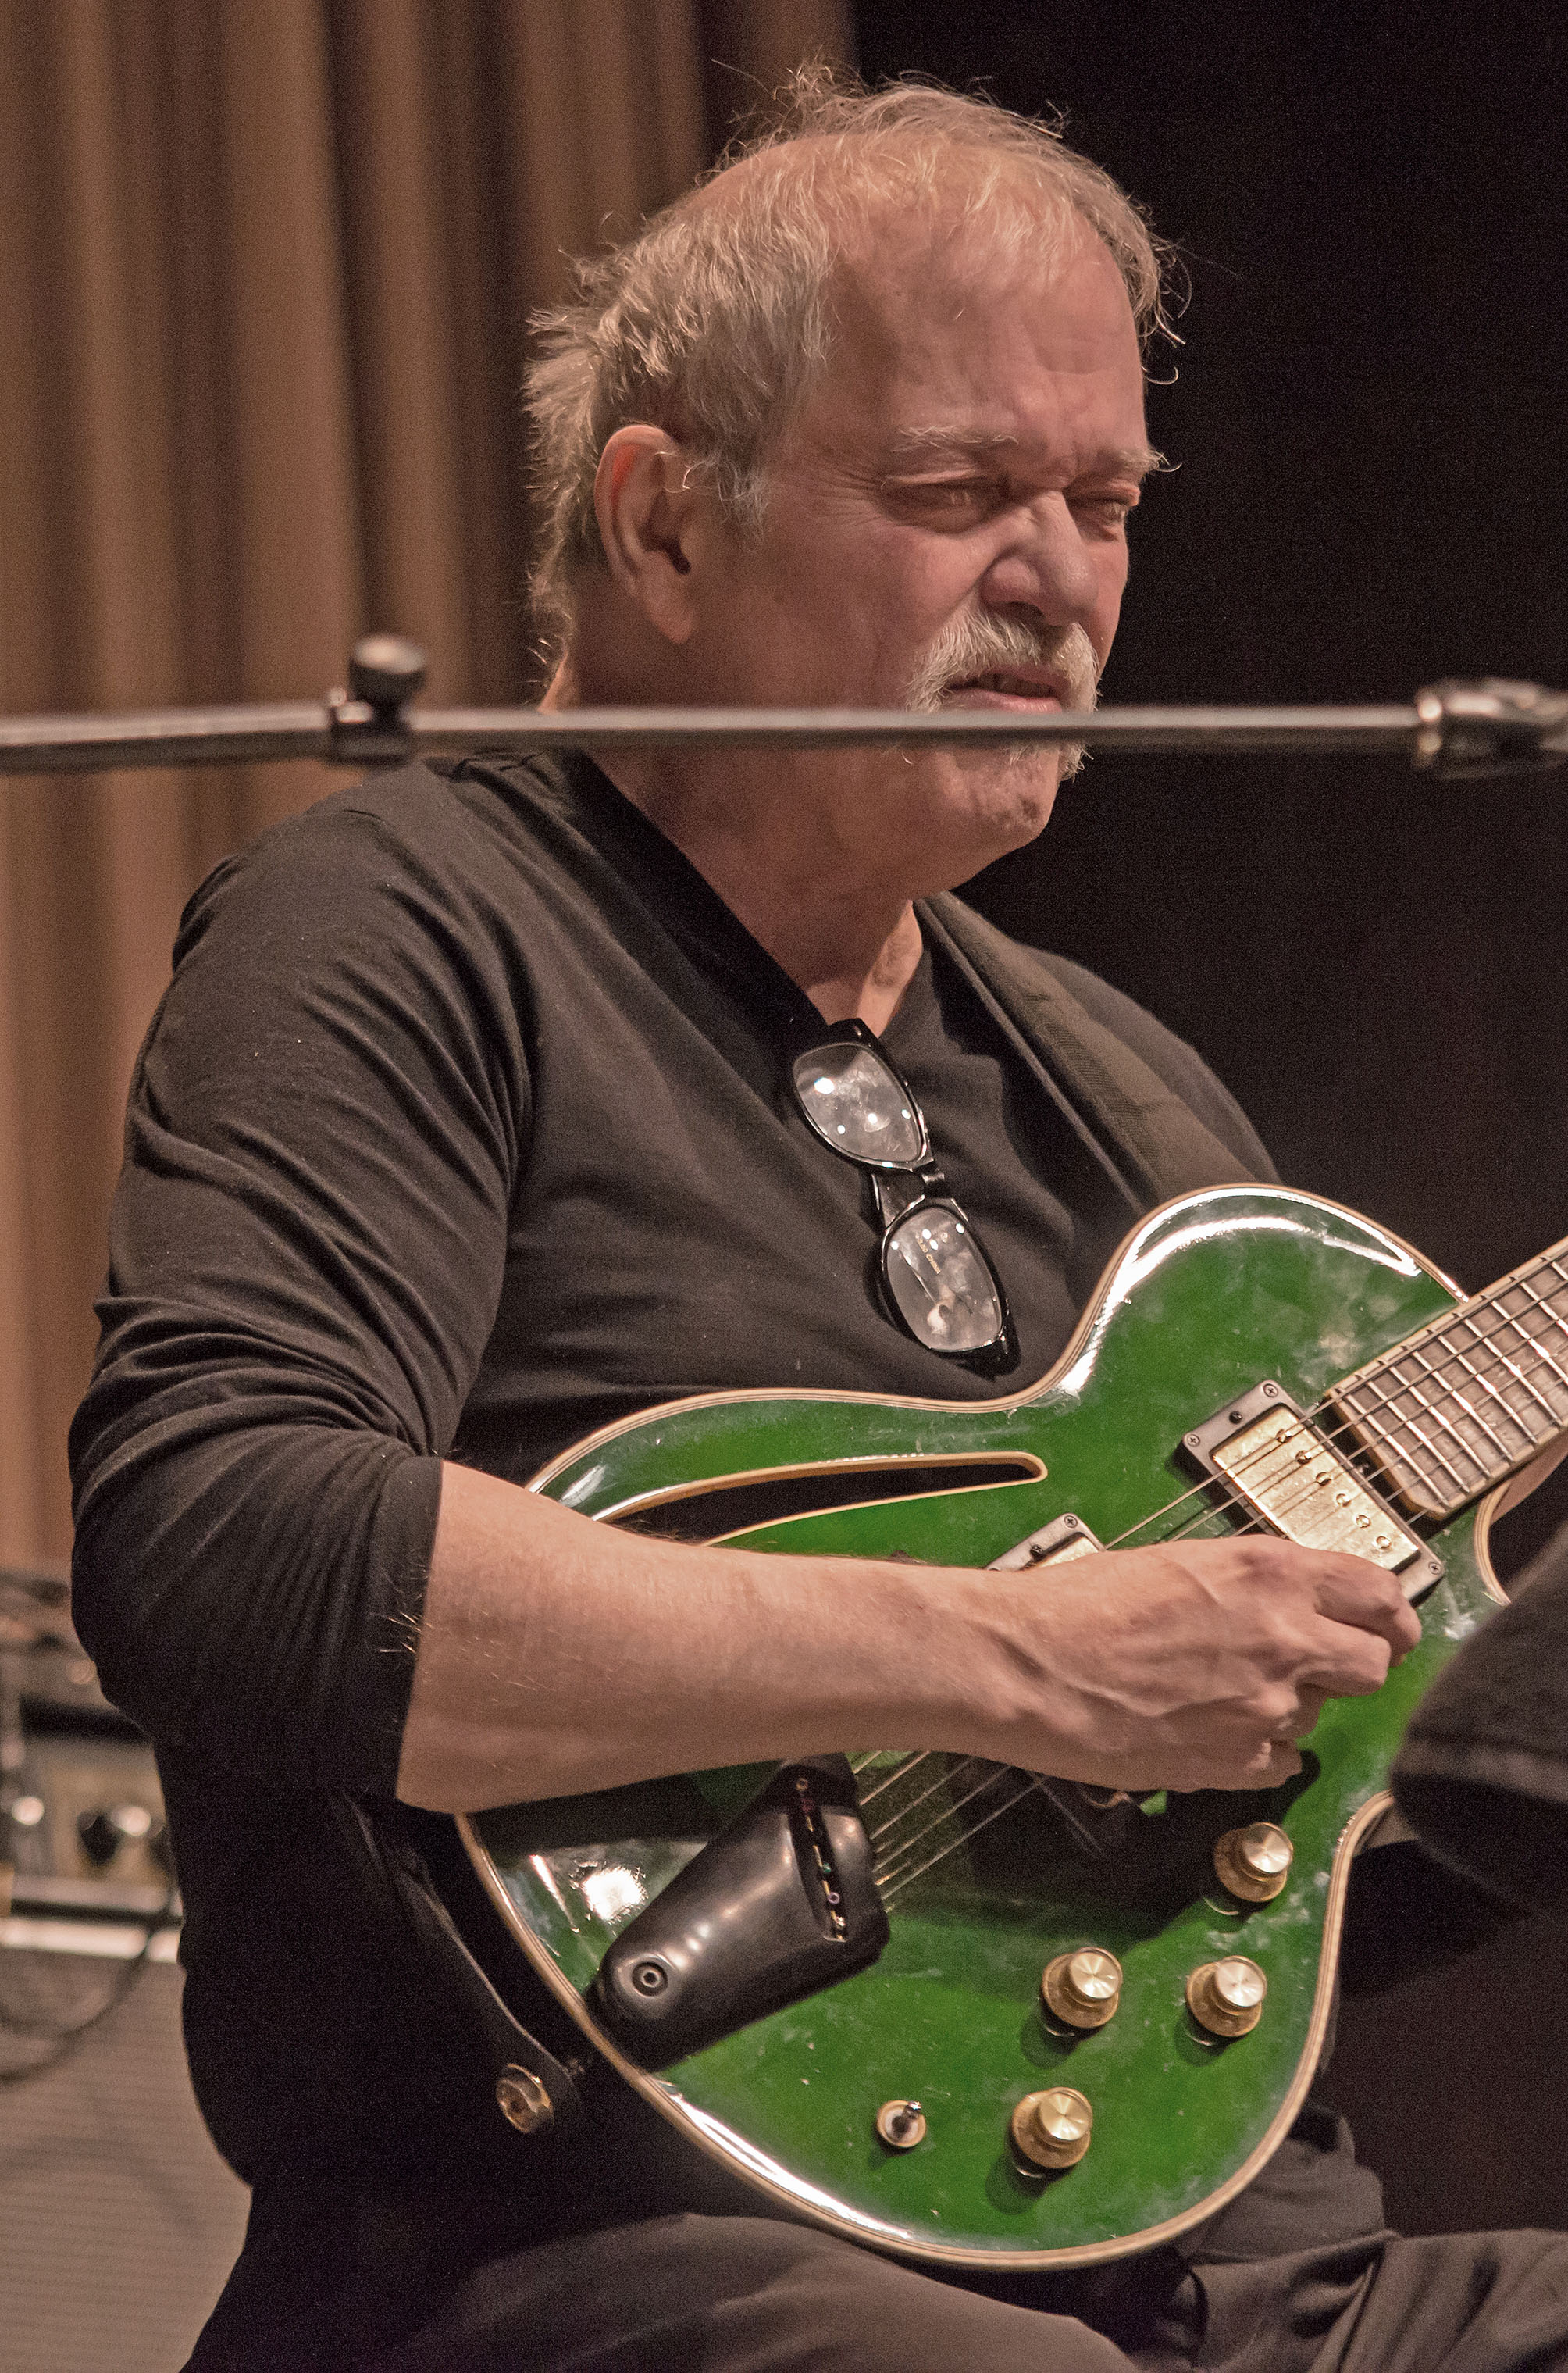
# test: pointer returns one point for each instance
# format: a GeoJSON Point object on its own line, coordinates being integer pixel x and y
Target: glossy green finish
{"type": "Point", "coordinates": [1204, 1299]}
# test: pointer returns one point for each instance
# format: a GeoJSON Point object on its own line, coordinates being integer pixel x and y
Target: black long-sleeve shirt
{"type": "Point", "coordinates": [462, 1129]}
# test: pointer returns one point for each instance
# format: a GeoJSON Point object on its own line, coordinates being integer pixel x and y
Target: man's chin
{"type": "Point", "coordinates": [1010, 805]}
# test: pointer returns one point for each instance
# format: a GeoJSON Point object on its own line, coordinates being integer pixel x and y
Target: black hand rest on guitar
{"type": "Point", "coordinates": [779, 1904]}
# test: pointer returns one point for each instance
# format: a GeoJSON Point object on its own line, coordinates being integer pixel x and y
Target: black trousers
{"type": "Point", "coordinates": [1300, 2275]}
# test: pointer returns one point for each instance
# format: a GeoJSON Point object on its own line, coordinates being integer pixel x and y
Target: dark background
{"type": "Point", "coordinates": [1367, 413]}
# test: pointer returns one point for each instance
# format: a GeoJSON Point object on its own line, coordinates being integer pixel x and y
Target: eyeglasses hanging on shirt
{"type": "Point", "coordinates": [936, 1276]}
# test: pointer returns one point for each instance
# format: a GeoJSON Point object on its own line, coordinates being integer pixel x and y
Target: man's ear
{"type": "Point", "coordinates": [647, 507]}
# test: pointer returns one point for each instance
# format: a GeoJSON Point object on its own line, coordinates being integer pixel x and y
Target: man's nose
{"type": "Point", "coordinates": [1044, 566]}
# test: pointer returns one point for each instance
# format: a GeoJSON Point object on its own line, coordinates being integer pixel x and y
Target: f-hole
{"type": "Point", "coordinates": [706, 1512]}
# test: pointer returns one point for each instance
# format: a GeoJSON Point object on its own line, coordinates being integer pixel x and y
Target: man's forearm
{"type": "Point", "coordinates": [558, 1655]}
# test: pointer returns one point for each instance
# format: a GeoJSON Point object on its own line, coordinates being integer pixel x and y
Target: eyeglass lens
{"type": "Point", "coordinates": [852, 1100]}
{"type": "Point", "coordinates": [942, 1283]}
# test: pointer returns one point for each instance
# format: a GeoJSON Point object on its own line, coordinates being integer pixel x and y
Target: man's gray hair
{"type": "Point", "coordinates": [715, 318]}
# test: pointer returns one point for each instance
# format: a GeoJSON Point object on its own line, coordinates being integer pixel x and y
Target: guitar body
{"type": "Point", "coordinates": [1207, 1297]}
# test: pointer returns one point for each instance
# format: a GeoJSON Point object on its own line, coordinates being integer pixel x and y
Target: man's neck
{"type": "Point", "coordinates": [851, 953]}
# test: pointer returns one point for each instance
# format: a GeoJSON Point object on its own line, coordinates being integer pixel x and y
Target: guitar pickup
{"type": "Point", "coordinates": [1271, 1457]}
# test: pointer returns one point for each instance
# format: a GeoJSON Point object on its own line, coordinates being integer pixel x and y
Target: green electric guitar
{"type": "Point", "coordinates": [1092, 2017]}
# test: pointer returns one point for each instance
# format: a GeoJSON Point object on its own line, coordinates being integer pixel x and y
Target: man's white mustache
{"type": "Point", "coordinates": [986, 646]}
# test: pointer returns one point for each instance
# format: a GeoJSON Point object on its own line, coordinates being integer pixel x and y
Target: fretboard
{"type": "Point", "coordinates": [1453, 1409]}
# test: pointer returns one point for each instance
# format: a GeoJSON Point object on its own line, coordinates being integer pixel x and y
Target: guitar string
{"type": "Point", "coordinates": [1231, 1496]}
{"type": "Point", "coordinates": [1523, 1373]}
{"type": "Point", "coordinates": [889, 1868]}
{"type": "Point", "coordinates": [1230, 1500]}
{"type": "Point", "coordinates": [892, 1882]}
{"type": "Point", "coordinates": [907, 1845]}
{"type": "Point", "coordinates": [1334, 1435]}
{"type": "Point", "coordinates": [907, 1878]}
{"type": "Point", "coordinates": [909, 1763]}
{"type": "Point", "coordinates": [945, 1780]}
{"type": "Point", "coordinates": [893, 1888]}
{"type": "Point", "coordinates": [898, 1773]}
{"type": "Point", "coordinates": [888, 1875]}
{"type": "Point", "coordinates": [903, 1878]}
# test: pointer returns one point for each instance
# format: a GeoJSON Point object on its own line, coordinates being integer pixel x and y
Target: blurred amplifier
{"type": "Point", "coordinates": [84, 1865]}
{"type": "Point", "coordinates": [121, 2220]}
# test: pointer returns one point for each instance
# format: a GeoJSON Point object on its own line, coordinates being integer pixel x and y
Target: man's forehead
{"type": "Point", "coordinates": [961, 346]}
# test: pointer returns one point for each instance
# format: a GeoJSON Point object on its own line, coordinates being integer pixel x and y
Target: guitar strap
{"type": "Point", "coordinates": [1148, 1143]}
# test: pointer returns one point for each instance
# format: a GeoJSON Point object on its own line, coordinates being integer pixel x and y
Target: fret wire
{"type": "Point", "coordinates": [1374, 1417]}
{"type": "Point", "coordinates": [1467, 1312]}
{"type": "Point", "coordinates": [1456, 1393]}
{"type": "Point", "coordinates": [887, 1875]}
{"type": "Point", "coordinates": [1507, 1319]}
{"type": "Point", "coordinates": [1553, 1261]}
{"type": "Point", "coordinates": [908, 1877]}
{"type": "Point", "coordinates": [1404, 1450]}
{"type": "Point", "coordinates": [1388, 1450]}
{"type": "Point", "coordinates": [1539, 1340]}
{"type": "Point", "coordinates": [1444, 1392]}
{"type": "Point", "coordinates": [1410, 1388]}
{"type": "Point", "coordinates": [941, 1781]}
{"type": "Point", "coordinates": [1411, 1425]}
{"type": "Point", "coordinates": [1499, 1359]}
{"type": "Point", "coordinates": [1535, 1343]}
{"type": "Point", "coordinates": [1417, 1353]}
{"type": "Point", "coordinates": [1478, 1373]}
{"type": "Point", "coordinates": [1371, 1420]}
{"type": "Point", "coordinates": [1513, 1416]}
{"type": "Point", "coordinates": [1521, 1377]}
{"type": "Point", "coordinates": [1371, 1417]}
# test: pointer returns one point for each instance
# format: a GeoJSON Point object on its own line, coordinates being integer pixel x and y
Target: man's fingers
{"type": "Point", "coordinates": [1309, 1705]}
{"type": "Point", "coordinates": [1350, 1662]}
{"type": "Point", "coordinates": [1351, 1590]}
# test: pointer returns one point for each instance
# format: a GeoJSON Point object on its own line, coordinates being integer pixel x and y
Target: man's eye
{"type": "Point", "coordinates": [1106, 511]}
{"type": "Point", "coordinates": [941, 494]}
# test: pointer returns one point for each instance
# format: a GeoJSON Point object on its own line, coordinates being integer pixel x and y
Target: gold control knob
{"type": "Point", "coordinates": [1082, 1989]}
{"type": "Point", "coordinates": [1051, 2129]}
{"type": "Point", "coordinates": [522, 2099]}
{"type": "Point", "coordinates": [1227, 1997]}
{"type": "Point", "coordinates": [901, 2124]}
{"type": "Point", "coordinates": [1254, 1863]}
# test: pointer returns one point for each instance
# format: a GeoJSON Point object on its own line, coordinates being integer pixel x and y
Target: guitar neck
{"type": "Point", "coordinates": [1458, 1406]}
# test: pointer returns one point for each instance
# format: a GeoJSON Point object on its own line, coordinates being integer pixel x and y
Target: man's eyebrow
{"type": "Point", "coordinates": [921, 444]}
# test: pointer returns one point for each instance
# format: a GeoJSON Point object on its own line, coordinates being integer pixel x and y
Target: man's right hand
{"type": "Point", "coordinates": [1196, 1665]}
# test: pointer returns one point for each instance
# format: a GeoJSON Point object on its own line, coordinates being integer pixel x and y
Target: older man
{"type": "Point", "coordinates": [465, 1127]}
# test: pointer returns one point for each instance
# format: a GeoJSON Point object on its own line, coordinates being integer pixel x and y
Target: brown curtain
{"type": "Point", "coordinates": [264, 271]}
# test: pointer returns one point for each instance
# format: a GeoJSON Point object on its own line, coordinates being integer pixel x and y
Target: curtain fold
{"type": "Point", "coordinates": [265, 271]}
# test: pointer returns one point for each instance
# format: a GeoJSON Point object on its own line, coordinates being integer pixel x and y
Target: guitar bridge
{"type": "Point", "coordinates": [1270, 1456]}
{"type": "Point", "coordinates": [1063, 1537]}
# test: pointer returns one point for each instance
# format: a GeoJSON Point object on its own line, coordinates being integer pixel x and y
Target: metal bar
{"type": "Point", "coordinates": [39, 1895]}
{"type": "Point", "coordinates": [102, 1940]}
{"type": "Point", "coordinates": [353, 733]}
